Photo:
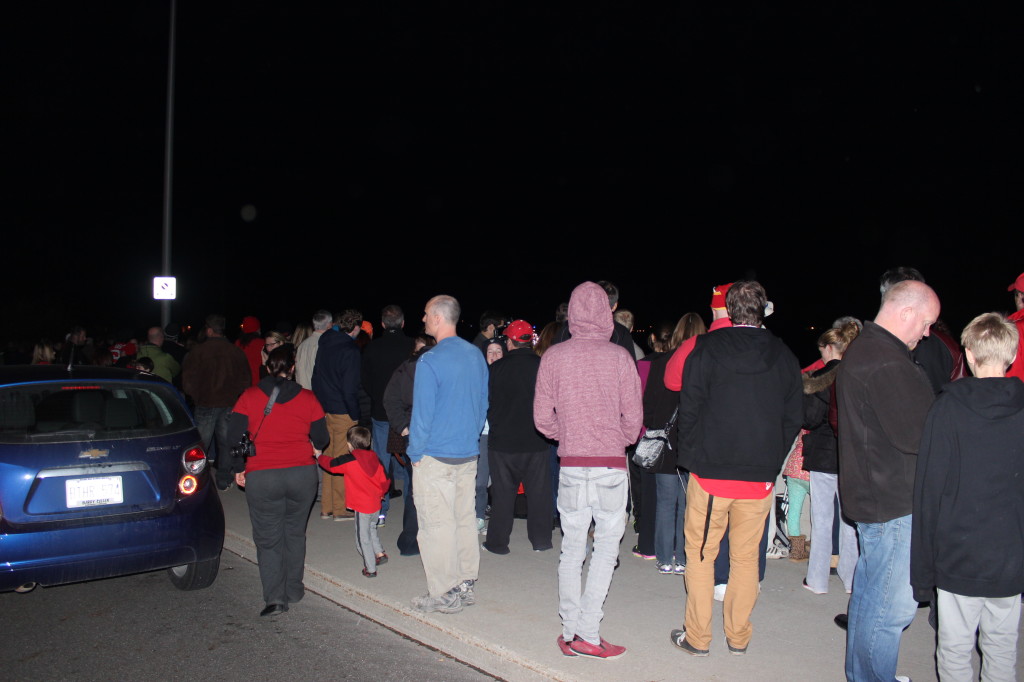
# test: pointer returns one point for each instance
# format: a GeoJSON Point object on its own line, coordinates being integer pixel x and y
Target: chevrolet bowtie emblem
{"type": "Point", "coordinates": [95, 453]}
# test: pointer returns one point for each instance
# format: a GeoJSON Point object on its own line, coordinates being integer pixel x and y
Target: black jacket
{"type": "Point", "coordinates": [398, 395]}
{"type": "Point", "coordinates": [821, 451]}
{"type": "Point", "coordinates": [968, 524]}
{"type": "Point", "coordinates": [741, 406]}
{"type": "Point", "coordinates": [883, 399]}
{"type": "Point", "coordinates": [510, 414]}
{"type": "Point", "coordinates": [381, 358]}
{"type": "Point", "coordinates": [659, 404]}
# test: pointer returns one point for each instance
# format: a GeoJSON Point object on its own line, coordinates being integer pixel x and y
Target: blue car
{"type": "Point", "coordinates": [102, 473]}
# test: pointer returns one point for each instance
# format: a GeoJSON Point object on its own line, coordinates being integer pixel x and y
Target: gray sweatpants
{"type": "Point", "coordinates": [367, 540]}
{"type": "Point", "coordinates": [995, 622]}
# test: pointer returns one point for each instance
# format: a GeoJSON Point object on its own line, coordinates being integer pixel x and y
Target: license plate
{"type": "Point", "coordinates": [93, 492]}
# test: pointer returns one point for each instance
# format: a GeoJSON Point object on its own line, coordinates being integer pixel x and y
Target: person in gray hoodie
{"type": "Point", "coordinates": [588, 398]}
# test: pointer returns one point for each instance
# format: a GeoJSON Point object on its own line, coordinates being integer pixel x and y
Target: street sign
{"type": "Point", "coordinates": [164, 288]}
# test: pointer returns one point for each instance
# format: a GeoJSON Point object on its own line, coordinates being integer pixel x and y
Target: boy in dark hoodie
{"type": "Point", "coordinates": [365, 487]}
{"type": "Point", "coordinates": [969, 507]}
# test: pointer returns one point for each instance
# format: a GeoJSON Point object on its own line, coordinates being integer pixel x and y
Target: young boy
{"type": "Point", "coordinates": [969, 507]}
{"type": "Point", "coordinates": [365, 486]}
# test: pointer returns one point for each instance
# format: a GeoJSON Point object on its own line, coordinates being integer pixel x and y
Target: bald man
{"type": "Point", "coordinates": [164, 364]}
{"type": "Point", "coordinates": [883, 399]}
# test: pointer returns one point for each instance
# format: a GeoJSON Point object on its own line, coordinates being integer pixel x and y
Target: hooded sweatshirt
{"type": "Point", "coordinates": [588, 390]}
{"type": "Point", "coordinates": [284, 438]}
{"type": "Point", "coordinates": [336, 379]}
{"type": "Point", "coordinates": [741, 405]}
{"type": "Point", "coordinates": [968, 513]}
{"type": "Point", "coordinates": [365, 481]}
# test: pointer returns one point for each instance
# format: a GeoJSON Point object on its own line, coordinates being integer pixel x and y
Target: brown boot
{"type": "Point", "coordinates": [799, 550]}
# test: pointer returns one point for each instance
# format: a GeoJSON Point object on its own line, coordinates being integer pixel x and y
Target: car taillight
{"type": "Point", "coordinates": [194, 460]}
{"type": "Point", "coordinates": [188, 485]}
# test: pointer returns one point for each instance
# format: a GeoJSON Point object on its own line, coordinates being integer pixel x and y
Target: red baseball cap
{"type": "Point", "coordinates": [520, 330]}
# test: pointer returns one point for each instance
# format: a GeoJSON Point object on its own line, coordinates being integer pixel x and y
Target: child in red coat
{"type": "Point", "coordinates": [365, 486]}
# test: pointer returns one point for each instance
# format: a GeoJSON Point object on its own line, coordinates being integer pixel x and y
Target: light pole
{"type": "Point", "coordinates": [165, 305]}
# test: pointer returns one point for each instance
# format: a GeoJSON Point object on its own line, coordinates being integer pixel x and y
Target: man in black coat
{"type": "Point", "coordinates": [517, 452]}
{"type": "Point", "coordinates": [381, 358]}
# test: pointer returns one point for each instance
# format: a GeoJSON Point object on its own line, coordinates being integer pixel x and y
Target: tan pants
{"type": "Point", "coordinates": [448, 539]}
{"type": "Point", "coordinates": [745, 520]}
{"type": "Point", "coordinates": [332, 490]}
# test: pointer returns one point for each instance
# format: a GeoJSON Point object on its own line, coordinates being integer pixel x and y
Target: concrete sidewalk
{"type": "Point", "coordinates": [511, 631]}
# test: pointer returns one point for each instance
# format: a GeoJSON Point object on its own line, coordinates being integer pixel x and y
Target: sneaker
{"type": "Point", "coordinates": [341, 518]}
{"type": "Point", "coordinates": [735, 650]}
{"type": "Point", "coordinates": [665, 569]}
{"type": "Point", "coordinates": [903, 678]}
{"type": "Point", "coordinates": [678, 638]}
{"type": "Point", "coordinates": [811, 589]}
{"type": "Point", "coordinates": [640, 555]}
{"type": "Point", "coordinates": [382, 559]}
{"type": "Point", "coordinates": [842, 620]}
{"type": "Point", "coordinates": [564, 647]}
{"type": "Point", "coordinates": [380, 521]}
{"type": "Point", "coordinates": [466, 594]}
{"type": "Point", "coordinates": [776, 552]}
{"type": "Point", "coordinates": [604, 650]}
{"type": "Point", "coordinates": [480, 526]}
{"type": "Point", "coordinates": [680, 569]}
{"type": "Point", "coordinates": [449, 602]}
{"type": "Point", "coordinates": [720, 592]}
{"type": "Point", "coordinates": [326, 516]}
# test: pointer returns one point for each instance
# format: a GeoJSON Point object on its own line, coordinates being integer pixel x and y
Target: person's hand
{"type": "Point", "coordinates": [240, 479]}
{"type": "Point", "coordinates": [405, 431]}
{"type": "Point", "coordinates": [317, 453]}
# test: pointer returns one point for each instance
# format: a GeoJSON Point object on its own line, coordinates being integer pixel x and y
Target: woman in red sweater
{"type": "Point", "coordinates": [279, 475]}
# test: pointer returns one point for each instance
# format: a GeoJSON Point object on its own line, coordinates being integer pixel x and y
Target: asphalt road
{"type": "Point", "coordinates": [142, 628]}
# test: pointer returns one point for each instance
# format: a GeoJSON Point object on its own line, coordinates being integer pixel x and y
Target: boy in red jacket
{"type": "Point", "coordinates": [365, 486]}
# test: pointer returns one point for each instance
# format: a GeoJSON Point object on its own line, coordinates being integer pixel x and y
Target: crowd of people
{"type": "Point", "coordinates": [904, 441]}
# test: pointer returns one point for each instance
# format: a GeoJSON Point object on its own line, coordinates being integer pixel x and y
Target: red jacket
{"type": "Point", "coordinates": [1017, 368]}
{"type": "Point", "coordinates": [365, 482]}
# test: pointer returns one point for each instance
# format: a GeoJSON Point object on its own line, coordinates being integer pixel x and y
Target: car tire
{"type": "Point", "coordinates": [195, 576]}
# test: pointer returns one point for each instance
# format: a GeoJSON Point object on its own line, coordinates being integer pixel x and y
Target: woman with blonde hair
{"type": "Point", "coordinates": [43, 353]}
{"type": "Point", "coordinates": [821, 459]}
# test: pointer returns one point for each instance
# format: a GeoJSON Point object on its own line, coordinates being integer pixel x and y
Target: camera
{"type": "Point", "coordinates": [245, 448]}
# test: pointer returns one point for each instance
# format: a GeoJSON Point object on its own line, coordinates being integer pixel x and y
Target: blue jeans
{"type": "Point", "coordinates": [483, 476]}
{"type": "Point", "coordinates": [379, 431]}
{"type": "Point", "coordinates": [882, 604]}
{"type": "Point", "coordinates": [586, 494]}
{"type": "Point", "coordinates": [669, 541]}
{"type": "Point", "coordinates": [212, 423]}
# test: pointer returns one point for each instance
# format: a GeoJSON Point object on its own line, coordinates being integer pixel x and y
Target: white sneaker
{"type": "Point", "coordinates": [720, 592]}
{"type": "Point", "coordinates": [776, 552]}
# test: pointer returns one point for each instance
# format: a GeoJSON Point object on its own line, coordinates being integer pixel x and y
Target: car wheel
{"type": "Point", "coordinates": [195, 576]}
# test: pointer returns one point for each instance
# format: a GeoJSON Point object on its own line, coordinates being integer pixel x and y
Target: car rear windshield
{"type": "Point", "coordinates": [58, 412]}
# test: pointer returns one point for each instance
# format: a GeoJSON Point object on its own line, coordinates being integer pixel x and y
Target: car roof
{"type": "Point", "coordinates": [20, 374]}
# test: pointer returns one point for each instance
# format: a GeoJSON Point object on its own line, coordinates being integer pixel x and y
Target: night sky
{"type": "Point", "coordinates": [503, 153]}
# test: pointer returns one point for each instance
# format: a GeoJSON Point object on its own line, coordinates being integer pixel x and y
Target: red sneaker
{"type": "Point", "coordinates": [604, 650]}
{"type": "Point", "coordinates": [564, 647]}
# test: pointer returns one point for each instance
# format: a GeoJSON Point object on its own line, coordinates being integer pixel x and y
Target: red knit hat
{"type": "Point", "coordinates": [718, 296]}
{"type": "Point", "coordinates": [250, 325]}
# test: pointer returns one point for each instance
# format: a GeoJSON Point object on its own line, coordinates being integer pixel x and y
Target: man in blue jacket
{"type": "Point", "coordinates": [336, 385]}
{"type": "Point", "coordinates": [449, 409]}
